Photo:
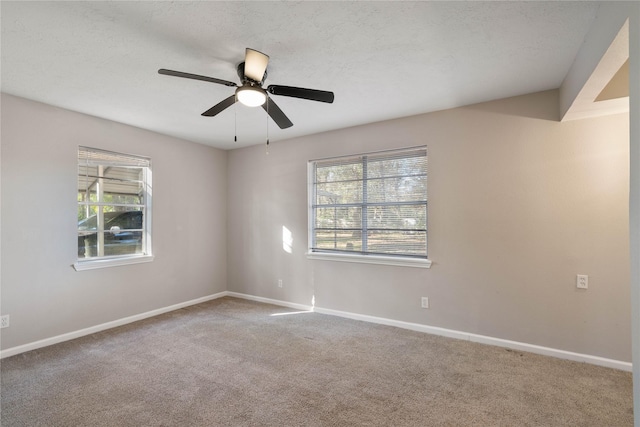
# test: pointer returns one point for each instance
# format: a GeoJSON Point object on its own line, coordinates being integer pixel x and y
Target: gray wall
{"type": "Point", "coordinates": [518, 205]}
{"type": "Point", "coordinates": [43, 294]}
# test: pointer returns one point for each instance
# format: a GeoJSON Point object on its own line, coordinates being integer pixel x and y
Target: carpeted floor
{"type": "Point", "coordinates": [231, 362]}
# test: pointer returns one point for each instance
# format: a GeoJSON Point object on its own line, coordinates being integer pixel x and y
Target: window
{"type": "Point", "coordinates": [370, 206]}
{"type": "Point", "coordinates": [114, 208]}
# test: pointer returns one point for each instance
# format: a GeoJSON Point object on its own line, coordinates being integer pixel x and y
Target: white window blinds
{"type": "Point", "coordinates": [371, 204]}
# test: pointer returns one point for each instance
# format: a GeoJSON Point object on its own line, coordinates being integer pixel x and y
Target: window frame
{"type": "Point", "coordinates": [146, 255]}
{"type": "Point", "coordinates": [342, 256]}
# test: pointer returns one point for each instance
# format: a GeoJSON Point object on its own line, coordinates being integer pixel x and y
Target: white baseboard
{"type": "Point", "coordinates": [108, 325]}
{"type": "Point", "coordinates": [271, 301]}
{"type": "Point", "coordinates": [482, 339]}
{"type": "Point", "coordinates": [450, 333]}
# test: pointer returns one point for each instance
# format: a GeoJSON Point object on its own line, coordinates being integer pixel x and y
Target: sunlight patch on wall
{"type": "Point", "coordinates": [287, 240]}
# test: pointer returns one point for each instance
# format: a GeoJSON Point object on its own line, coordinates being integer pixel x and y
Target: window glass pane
{"type": "Point", "coordinates": [118, 217]}
{"type": "Point", "coordinates": [122, 231]}
{"type": "Point", "coordinates": [339, 218]}
{"type": "Point", "coordinates": [339, 193]}
{"type": "Point", "coordinates": [339, 240]}
{"type": "Point", "coordinates": [402, 189]}
{"type": "Point", "coordinates": [339, 172]}
{"type": "Point", "coordinates": [414, 164]}
{"type": "Point", "coordinates": [87, 183]}
{"type": "Point", "coordinates": [114, 245]}
{"type": "Point", "coordinates": [402, 217]}
{"type": "Point", "coordinates": [122, 181]}
{"type": "Point", "coordinates": [397, 242]}
{"type": "Point", "coordinates": [119, 185]}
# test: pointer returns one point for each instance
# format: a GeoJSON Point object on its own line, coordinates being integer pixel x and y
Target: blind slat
{"type": "Point", "coordinates": [95, 156]}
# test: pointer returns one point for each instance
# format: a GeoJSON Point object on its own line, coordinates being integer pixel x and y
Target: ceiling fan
{"type": "Point", "coordinates": [252, 73]}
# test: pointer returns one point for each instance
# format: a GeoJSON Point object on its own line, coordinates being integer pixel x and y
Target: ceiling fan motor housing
{"type": "Point", "coordinates": [245, 79]}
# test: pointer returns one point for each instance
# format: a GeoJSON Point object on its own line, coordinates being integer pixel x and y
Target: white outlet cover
{"type": "Point", "coordinates": [582, 281]}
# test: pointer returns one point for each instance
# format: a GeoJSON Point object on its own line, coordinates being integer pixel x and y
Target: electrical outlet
{"type": "Point", "coordinates": [279, 283]}
{"type": "Point", "coordinates": [4, 321]}
{"type": "Point", "coordinates": [582, 281]}
{"type": "Point", "coordinates": [425, 302]}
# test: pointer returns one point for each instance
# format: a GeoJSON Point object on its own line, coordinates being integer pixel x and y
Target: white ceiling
{"type": "Point", "coordinates": [382, 60]}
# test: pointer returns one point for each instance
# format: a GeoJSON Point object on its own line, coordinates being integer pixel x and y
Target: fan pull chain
{"type": "Point", "coordinates": [235, 121]}
{"type": "Point", "coordinates": [267, 150]}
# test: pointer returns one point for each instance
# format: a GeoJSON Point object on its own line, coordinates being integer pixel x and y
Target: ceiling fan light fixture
{"type": "Point", "coordinates": [251, 96]}
{"type": "Point", "coordinates": [252, 73]}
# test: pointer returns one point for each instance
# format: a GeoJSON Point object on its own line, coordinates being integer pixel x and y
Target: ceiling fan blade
{"type": "Point", "coordinates": [220, 106]}
{"type": "Point", "coordinates": [299, 92]}
{"type": "Point", "coordinates": [255, 64]}
{"type": "Point", "coordinates": [276, 114]}
{"type": "Point", "coordinates": [196, 77]}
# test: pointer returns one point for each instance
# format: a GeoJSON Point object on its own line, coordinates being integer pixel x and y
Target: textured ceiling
{"type": "Point", "coordinates": [382, 60]}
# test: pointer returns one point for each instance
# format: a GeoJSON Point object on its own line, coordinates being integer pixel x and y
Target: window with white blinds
{"type": "Point", "coordinates": [114, 205]}
{"type": "Point", "coordinates": [370, 204]}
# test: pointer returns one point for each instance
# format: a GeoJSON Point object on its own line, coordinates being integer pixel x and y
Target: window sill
{"type": "Point", "coordinates": [371, 259]}
{"type": "Point", "coordinates": [92, 264]}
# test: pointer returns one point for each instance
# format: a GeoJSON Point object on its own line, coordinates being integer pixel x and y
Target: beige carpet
{"type": "Point", "coordinates": [232, 362]}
